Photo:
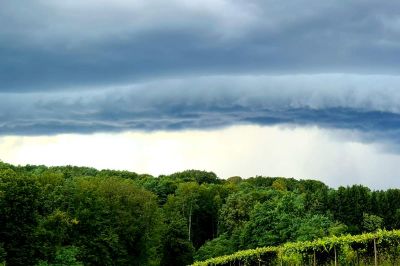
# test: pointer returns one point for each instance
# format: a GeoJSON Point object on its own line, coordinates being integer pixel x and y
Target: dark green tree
{"type": "Point", "coordinates": [19, 205]}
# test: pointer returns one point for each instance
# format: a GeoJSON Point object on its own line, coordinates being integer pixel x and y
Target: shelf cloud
{"type": "Point", "coordinates": [365, 103]}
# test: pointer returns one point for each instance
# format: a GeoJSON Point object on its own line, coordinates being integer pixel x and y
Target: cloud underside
{"type": "Point", "coordinates": [342, 118]}
{"type": "Point", "coordinates": [366, 104]}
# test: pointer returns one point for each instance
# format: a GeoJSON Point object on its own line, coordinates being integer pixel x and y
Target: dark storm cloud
{"type": "Point", "coordinates": [48, 46]}
{"type": "Point", "coordinates": [368, 104]}
{"type": "Point", "coordinates": [88, 66]}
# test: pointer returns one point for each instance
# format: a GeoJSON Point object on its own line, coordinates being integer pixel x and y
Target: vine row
{"type": "Point", "coordinates": [381, 247]}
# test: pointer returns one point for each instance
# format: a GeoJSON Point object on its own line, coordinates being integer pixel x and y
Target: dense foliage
{"type": "Point", "coordinates": [83, 216]}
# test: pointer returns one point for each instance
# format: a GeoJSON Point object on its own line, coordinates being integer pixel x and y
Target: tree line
{"type": "Point", "coordinates": [83, 216]}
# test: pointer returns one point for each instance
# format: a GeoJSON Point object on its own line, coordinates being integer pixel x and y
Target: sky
{"type": "Point", "coordinates": [302, 88]}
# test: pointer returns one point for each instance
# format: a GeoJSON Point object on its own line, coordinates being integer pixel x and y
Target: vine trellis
{"type": "Point", "coordinates": [364, 249]}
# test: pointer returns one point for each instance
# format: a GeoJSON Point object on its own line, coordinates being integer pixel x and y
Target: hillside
{"type": "Point", "coordinates": [82, 216]}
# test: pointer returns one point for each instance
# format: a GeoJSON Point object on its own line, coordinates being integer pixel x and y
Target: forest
{"type": "Point", "coordinates": [82, 216]}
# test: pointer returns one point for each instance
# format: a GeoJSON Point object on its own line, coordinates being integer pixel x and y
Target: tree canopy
{"type": "Point", "coordinates": [82, 216]}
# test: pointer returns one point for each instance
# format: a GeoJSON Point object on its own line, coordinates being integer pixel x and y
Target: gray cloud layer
{"type": "Point", "coordinates": [369, 104]}
{"type": "Point", "coordinates": [47, 45]}
{"type": "Point", "coordinates": [88, 66]}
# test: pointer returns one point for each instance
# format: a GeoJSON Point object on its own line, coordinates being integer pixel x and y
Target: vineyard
{"type": "Point", "coordinates": [380, 248]}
